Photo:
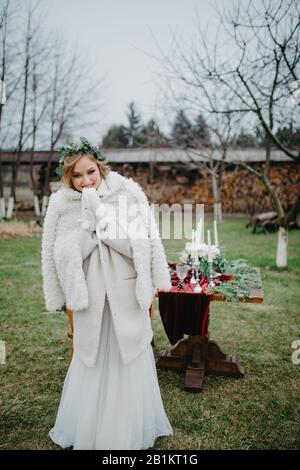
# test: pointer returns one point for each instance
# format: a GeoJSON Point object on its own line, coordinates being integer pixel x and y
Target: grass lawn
{"type": "Point", "coordinates": [261, 411]}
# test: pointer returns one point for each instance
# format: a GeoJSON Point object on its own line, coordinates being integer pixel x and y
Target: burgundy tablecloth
{"type": "Point", "coordinates": [184, 311]}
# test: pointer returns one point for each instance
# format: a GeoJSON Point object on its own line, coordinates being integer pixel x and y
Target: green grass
{"type": "Point", "coordinates": [261, 411]}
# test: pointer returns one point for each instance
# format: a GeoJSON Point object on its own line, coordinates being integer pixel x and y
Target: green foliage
{"type": "Point", "coordinates": [182, 130]}
{"type": "Point", "coordinates": [260, 411]}
{"type": "Point", "coordinates": [186, 133]}
{"type": "Point", "coordinates": [244, 277]}
{"type": "Point", "coordinates": [83, 146]}
{"type": "Point", "coordinates": [220, 264]}
{"type": "Point", "coordinates": [245, 139]}
{"type": "Point", "coordinates": [116, 137]}
{"type": "Point", "coordinates": [152, 135]}
{"type": "Point", "coordinates": [134, 118]}
{"type": "Point", "coordinates": [201, 131]}
{"type": "Point", "coordinates": [289, 136]}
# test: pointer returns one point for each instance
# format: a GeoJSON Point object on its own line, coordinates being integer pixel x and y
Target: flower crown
{"type": "Point", "coordinates": [83, 147]}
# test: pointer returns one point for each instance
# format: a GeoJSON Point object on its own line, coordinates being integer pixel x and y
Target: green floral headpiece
{"type": "Point", "coordinates": [83, 147]}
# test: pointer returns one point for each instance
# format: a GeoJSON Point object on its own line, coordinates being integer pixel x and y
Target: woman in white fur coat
{"type": "Point", "coordinates": [103, 258]}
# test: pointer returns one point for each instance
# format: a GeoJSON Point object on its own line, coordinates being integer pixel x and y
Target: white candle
{"type": "Point", "coordinates": [208, 238]}
{"type": "Point", "coordinates": [209, 254]}
{"type": "Point", "coordinates": [199, 232]}
{"type": "Point", "coordinates": [216, 233]}
{"type": "Point", "coordinates": [193, 237]}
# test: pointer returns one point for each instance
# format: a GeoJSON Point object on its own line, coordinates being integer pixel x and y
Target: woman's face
{"type": "Point", "coordinates": [85, 174]}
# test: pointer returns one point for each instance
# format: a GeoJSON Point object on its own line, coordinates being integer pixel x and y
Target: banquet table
{"type": "Point", "coordinates": [186, 313]}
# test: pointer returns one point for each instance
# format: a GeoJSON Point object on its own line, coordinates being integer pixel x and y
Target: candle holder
{"type": "Point", "coordinates": [193, 279]}
{"type": "Point", "coordinates": [210, 275]}
{"type": "Point", "coordinates": [197, 287]}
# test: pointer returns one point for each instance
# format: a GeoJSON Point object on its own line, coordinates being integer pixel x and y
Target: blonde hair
{"type": "Point", "coordinates": [71, 161]}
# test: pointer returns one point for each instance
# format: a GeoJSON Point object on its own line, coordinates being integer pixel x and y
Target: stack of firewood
{"type": "Point", "coordinates": [241, 192]}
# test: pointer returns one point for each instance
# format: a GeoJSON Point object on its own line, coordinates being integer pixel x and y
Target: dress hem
{"type": "Point", "coordinates": [65, 443]}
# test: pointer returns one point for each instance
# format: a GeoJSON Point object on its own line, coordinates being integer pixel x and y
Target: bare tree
{"type": "Point", "coordinates": [215, 154]}
{"type": "Point", "coordinates": [263, 84]}
{"type": "Point", "coordinates": [28, 53]}
{"type": "Point", "coordinates": [9, 80]}
{"type": "Point", "coordinates": [3, 28]}
{"type": "Point", "coordinates": [254, 59]}
{"type": "Point", "coordinates": [73, 99]}
{"type": "Point", "coordinates": [53, 90]}
{"type": "Point", "coordinates": [40, 94]}
{"type": "Point", "coordinates": [221, 127]}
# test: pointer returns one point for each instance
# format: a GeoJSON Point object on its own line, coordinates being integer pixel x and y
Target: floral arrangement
{"type": "Point", "coordinates": [231, 279]}
{"type": "Point", "coordinates": [218, 259]}
{"type": "Point", "coordinates": [240, 277]}
{"type": "Point", "coordinates": [83, 147]}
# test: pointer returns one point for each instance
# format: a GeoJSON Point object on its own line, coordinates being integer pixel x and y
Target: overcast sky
{"type": "Point", "coordinates": [118, 36]}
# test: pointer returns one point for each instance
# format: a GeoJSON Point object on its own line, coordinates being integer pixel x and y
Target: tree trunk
{"type": "Point", "coordinates": [1, 178]}
{"type": "Point", "coordinates": [218, 212]}
{"type": "Point", "coordinates": [217, 197]}
{"type": "Point", "coordinates": [2, 207]}
{"type": "Point", "coordinates": [282, 248]}
{"type": "Point", "coordinates": [14, 174]}
{"type": "Point", "coordinates": [12, 197]}
{"type": "Point", "coordinates": [44, 204]}
{"type": "Point", "coordinates": [47, 175]}
{"type": "Point", "coordinates": [36, 204]}
{"type": "Point", "coordinates": [10, 207]}
{"type": "Point", "coordinates": [32, 179]}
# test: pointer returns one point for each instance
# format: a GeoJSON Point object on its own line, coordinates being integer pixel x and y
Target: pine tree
{"type": "Point", "coordinates": [182, 130]}
{"type": "Point", "coordinates": [201, 131]}
{"type": "Point", "coordinates": [134, 125]}
{"type": "Point", "coordinates": [154, 137]}
{"type": "Point", "coordinates": [116, 137]}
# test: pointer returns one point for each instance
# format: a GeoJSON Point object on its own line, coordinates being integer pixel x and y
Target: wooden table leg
{"type": "Point", "coordinates": [220, 363]}
{"type": "Point", "coordinates": [188, 355]}
{"type": "Point", "coordinates": [177, 358]}
{"type": "Point", "coordinates": [196, 368]}
{"type": "Point", "coordinates": [198, 355]}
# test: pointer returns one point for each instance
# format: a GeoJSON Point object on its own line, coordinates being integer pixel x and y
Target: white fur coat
{"type": "Point", "coordinates": [62, 269]}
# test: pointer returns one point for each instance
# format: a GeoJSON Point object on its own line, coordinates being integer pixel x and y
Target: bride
{"type": "Point", "coordinates": [103, 258]}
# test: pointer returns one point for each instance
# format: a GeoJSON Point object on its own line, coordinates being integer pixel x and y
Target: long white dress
{"type": "Point", "coordinates": [112, 405]}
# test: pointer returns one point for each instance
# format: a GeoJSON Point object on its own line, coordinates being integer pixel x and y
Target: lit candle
{"type": "Point", "coordinates": [216, 233]}
{"type": "Point", "coordinates": [209, 254]}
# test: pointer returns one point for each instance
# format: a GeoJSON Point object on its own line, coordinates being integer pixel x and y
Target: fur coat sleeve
{"type": "Point", "coordinates": [62, 260]}
{"type": "Point", "coordinates": [148, 252]}
{"type": "Point", "coordinates": [159, 264]}
{"type": "Point", "coordinates": [53, 294]}
{"type": "Point", "coordinates": [69, 253]}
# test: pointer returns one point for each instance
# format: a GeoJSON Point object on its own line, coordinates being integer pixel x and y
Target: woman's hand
{"type": "Point", "coordinates": [89, 203]}
{"type": "Point", "coordinates": [95, 216]}
{"type": "Point", "coordinates": [90, 199]}
{"type": "Point", "coordinates": [102, 221]}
